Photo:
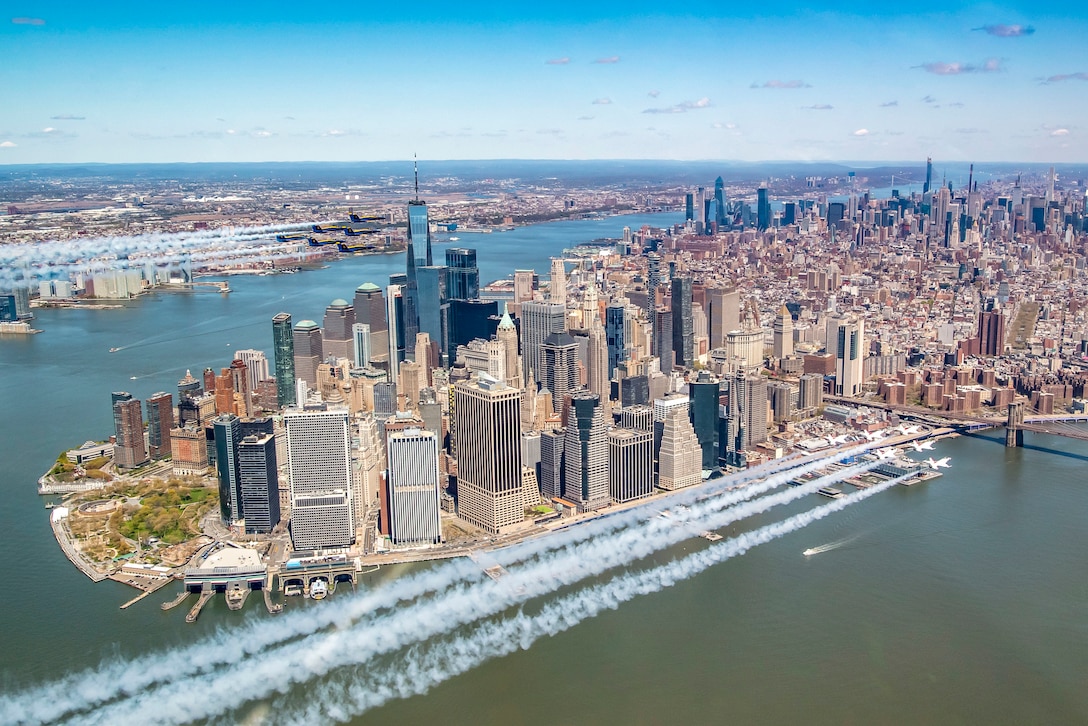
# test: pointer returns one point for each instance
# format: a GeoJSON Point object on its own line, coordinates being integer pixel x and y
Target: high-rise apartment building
{"type": "Point", "coordinates": [130, 449]}
{"type": "Point", "coordinates": [256, 366]}
{"type": "Point", "coordinates": [849, 356]}
{"type": "Point", "coordinates": [160, 420]}
{"type": "Point", "coordinates": [189, 451]}
{"type": "Point", "coordinates": [283, 343]}
{"type": "Point", "coordinates": [413, 487]}
{"type": "Point", "coordinates": [488, 433]}
{"type": "Point", "coordinates": [703, 413]}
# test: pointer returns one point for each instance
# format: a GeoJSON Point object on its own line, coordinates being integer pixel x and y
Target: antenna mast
{"type": "Point", "coordinates": [415, 168]}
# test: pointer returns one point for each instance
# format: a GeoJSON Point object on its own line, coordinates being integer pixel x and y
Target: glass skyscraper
{"type": "Point", "coordinates": [284, 342]}
{"type": "Point", "coordinates": [464, 275]}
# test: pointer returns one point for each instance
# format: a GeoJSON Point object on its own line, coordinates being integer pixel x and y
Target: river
{"type": "Point", "coordinates": [961, 600]}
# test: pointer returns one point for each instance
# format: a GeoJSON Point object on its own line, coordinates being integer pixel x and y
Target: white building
{"type": "Point", "coordinates": [319, 466]}
{"type": "Point", "coordinates": [413, 487]}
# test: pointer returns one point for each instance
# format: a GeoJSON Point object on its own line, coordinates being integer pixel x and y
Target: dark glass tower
{"type": "Point", "coordinates": [719, 197]}
{"type": "Point", "coordinates": [419, 230]}
{"type": "Point", "coordinates": [228, 432]}
{"type": "Point", "coordinates": [464, 275]}
{"type": "Point", "coordinates": [614, 335]}
{"type": "Point", "coordinates": [284, 352]}
{"type": "Point", "coordinates": [763, 209]}
{"type": "Point", "coordinates": [704, 417]}
{"type": "Point", "coordinates": [683, 336]}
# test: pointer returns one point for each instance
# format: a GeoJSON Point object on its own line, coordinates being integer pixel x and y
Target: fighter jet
{"type": "Point", "coordinates": [938, 463]}
{"type": "Point", "coordinates": [921, 446]}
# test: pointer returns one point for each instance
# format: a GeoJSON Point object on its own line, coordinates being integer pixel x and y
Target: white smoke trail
{"type": "Point", "coordinates": [125, 679]}
{"type": "Point", "coordinates": [423, 668]}
{"type": "Point", "coordinates": [210, 694]}
{"type": "Point", "coordinates": [112, 680]}
{"type": "Point", "coordinates": [24, 263]}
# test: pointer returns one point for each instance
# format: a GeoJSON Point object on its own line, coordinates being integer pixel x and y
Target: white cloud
{"type": "Point", "coordinates": [8, 144]}
{"type": "Point", "coordinates": [1060, 132]}
{"type": "Point", "coordinates": [602, 101]}
{"type": "Point", "coordinates": [861, 132]}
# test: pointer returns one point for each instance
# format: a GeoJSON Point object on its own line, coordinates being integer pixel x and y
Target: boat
{"type": "Point", "coordinates": [809, 552]}
{"type": "Point", "coordinates": [830, 492]}
{"type": "Point", "coordinates": [114, 350]}
{"type": "Point", "coordinates": [319, 589]}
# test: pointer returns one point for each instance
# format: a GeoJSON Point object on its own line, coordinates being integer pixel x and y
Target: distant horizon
{"type": "Point", "coordinates": [248, 81]}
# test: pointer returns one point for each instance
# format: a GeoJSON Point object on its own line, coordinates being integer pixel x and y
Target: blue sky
{"type": "Point", "coordinates": [136, 82]}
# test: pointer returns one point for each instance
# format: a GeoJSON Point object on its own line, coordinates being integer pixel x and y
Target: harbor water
{"type": "Point", "coordinates": [960, 600]}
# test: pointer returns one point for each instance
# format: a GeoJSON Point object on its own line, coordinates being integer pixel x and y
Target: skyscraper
{"type": "Point", "coordinates": [488, 431]}
{"type": "Point", "coordinates": [783, 333]}
{"type": "Point", "coordinates": [598, 374]}
{"type": "Point", "coordinates": [991, 330]}
{"type": "Point", "coordinates": [849, 356]}
{"type": "Point", "coordinates": [552, 473]}
{"type": "Point", "coordinates": [130, 449]}
{"type": "Point", "coordinates": [432, 295]}
{"type": "Point", "coordinates": [630, 464]}
{"type": "Point", "coordinates": [557, 292]}
{"type": "Point", "coordinates": [507, 336]}
{"type": "Point", "coordinates": [464, 275]}
{"type": "Point", "coordinates": [653, 279]}
{"type": "Point", "coordinates": [284, 351]}
{"type": "Point", "coordinates": [319, 462]}
{"type": "Point", "coordinates": [614, 326]}
{"type": "Point", "coordinates": [538, 321]}
{"type": "Point", "coordinates": [336, 336]}
{"type": "Point", "coordinates": [689, 207]}
{"type": "Point", "coordinates": [704, 392]}
{"type": "Point", "coordinates": [227, 430]}
{"type": "Point", "coordinates": [683, 337]}
{"type": "Point", "coordinates": [256, 366]}
{"type": "Point", "coordinates": [763, 208]}
{"type": "Point", "coordinates": [586, 454]}
{"type": "Point", "coordinates": [369, 304]}
{"type": "Point", "coordinates": [259, 482]}
{"type": "Point", "coordinates": [160, 420]}
{"type": "Point", "coordinates": [395, 302]}
{"type": "Point", "coordinates": [719, 197]}
{"type": "Point", "coordinates": [679, 458]}
{"type": "Point", "coordinates": [362, 344]}
{"type": "Point", "coordinates": [413, 487]}
{"type": "Point", "coordinates": [419, 231]}
{"type": "Point", "coordinates": [559, 367]}
{"type": "Point", "coordinates": [308, 351]}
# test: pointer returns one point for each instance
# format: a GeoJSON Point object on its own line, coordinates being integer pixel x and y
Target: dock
{"type": "Point", "coordinates": [182, 597]}
{"type": "Point", "coordinates": [194, 612]}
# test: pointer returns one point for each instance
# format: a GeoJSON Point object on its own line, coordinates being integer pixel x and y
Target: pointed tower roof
{"type": "Point", "coordinates": [506, 323]}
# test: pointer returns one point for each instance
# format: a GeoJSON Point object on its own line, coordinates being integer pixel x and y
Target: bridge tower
{"type": "Point", "coordinates": [1014, 434]}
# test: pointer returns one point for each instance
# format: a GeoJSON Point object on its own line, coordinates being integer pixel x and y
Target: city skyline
{"type": "Point", "coordinates": [773, 81]}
